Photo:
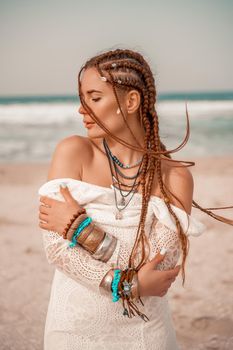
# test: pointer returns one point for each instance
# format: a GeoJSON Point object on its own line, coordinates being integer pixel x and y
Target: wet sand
{"type": "Point", "coordinates": [202, 310]}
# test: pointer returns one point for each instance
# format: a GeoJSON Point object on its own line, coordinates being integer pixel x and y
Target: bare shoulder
{"type": "Point", "coordinates": [68, 157]}
{"type": "Point", "coordinates": [179, 180]}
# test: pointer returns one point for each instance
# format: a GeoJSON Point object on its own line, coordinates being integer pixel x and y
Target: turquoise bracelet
{"type": "Point", "coordinates": [78, 230]}
{"type": "Point", "coordinates": [115, 283]}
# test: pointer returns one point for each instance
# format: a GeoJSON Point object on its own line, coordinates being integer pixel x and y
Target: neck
{"type": "Point", "coordinates": [127, 155]}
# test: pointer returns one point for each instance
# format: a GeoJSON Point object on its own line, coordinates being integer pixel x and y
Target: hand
{"type": "Point", "coordinates": [54, 214]}
{"type": "Point", "coordinates": [154, 282]}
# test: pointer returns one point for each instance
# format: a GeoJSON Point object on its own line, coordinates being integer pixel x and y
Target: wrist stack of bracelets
{"type": "Point", "coordinates": [122, 284]}
{"type": "Point", "coordinates": [81, 230]}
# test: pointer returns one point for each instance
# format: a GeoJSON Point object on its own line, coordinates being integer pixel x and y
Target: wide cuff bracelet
{"type": "Point", "coordinates": [93, 237]}
{"type": "Point", "coordinates": [106, 248]}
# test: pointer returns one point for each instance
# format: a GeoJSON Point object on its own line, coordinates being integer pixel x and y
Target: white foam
{"type": "Point", "coordinates": [196, 108]}
{"type": "Point", "coordinates": [31, 131]}
{"type": "Point", "coordinates": [37, 114]}
{"type": "Point", "coordinates": [62, 113]}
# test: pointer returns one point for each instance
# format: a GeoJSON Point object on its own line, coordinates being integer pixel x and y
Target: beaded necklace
{"type": "Point", "coordinates": [118, 162]}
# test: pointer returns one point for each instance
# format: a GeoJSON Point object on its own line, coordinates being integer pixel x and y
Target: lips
{"type": "Point", "coordinates": [88, 124]}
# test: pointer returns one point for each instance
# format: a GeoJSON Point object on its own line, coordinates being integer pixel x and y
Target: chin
{"type": "Point", "coordinates": [96, 135]}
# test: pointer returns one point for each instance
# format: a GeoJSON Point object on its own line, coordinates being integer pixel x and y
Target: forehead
{"type": "Point", "coordinates": [90, 79]}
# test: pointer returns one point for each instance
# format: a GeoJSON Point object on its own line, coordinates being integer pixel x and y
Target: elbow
{"type": "Point", "coordinates": [55, 247]}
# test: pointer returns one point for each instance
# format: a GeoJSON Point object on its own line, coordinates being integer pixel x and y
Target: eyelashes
{"type": "Point", "coordinates": [96, 99]}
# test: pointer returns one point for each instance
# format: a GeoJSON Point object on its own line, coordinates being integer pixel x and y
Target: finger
{"type": "Point", "coordinates": [46, 200]}
{"type": "Point", "coordinates": [49, 202]}
{"type": "Point", "coordinates": [66, 193]}
{"type": "Point", "coordinates": [163, 293]}
{"type": "Point", "coordinates": [158, 258]}
{"type": "Point", "coordinates": [44, 225]}
{"type": "Point", "coordinates": [174, 272]}
{"type": "Point", "coordinates": [43, 209]}
{"type": "Point", "coordinates": [43, 217]}
{"type": "Point", "coordinates": [171, 280]}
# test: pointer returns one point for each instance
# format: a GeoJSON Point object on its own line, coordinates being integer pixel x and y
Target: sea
{"type": "Point", "coordinates": [31, 126]}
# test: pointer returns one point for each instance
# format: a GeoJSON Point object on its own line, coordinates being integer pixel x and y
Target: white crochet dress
{"type": "Point", "coordinates": [79, 317]}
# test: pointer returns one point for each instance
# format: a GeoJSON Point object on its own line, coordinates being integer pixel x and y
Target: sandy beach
{"type": "Point", "coordinates": [202, 310]}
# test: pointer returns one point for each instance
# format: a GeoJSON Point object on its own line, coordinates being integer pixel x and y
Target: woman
{"type": "Point", "coordinates": [123, 179]}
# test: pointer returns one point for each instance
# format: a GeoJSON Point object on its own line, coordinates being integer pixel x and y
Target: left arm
{"type": "Point", "coordinates": [179, 181]}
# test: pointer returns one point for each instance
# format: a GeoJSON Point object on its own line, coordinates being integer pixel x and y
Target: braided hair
{"type": "Point", "coordinates": [126, 70]}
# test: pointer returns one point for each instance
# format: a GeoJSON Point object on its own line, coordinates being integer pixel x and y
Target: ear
{"type": "Point", "coordinates": [133, 100]}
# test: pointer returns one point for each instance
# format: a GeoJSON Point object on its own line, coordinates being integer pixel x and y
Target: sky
{"type": "Point", "coordinates": [43, 43]}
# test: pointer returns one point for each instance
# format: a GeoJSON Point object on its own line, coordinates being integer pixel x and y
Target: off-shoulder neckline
{"type": "Point", "coordinates": [94, 185]}
{"type": "Point", "coordinates": [152, 197]}
{"type": "Point", "coordinates": [157, 203]}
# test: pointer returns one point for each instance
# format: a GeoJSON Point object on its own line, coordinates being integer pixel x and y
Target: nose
{"type": "Point", "coordinates": [81, 110]}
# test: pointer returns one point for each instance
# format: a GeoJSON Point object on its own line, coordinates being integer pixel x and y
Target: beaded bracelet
{"type": "Point", "coordinates": [115, 283]}
{"type": "Point", "coordinates": [74, 217]}
{"type": "Point", "coordinates": [79, 229]}
{"type": "Point", "coordinates": [74, 226]}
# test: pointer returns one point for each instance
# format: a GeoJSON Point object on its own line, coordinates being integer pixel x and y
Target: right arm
{"type": "Point", "coordinates": [76, 262]}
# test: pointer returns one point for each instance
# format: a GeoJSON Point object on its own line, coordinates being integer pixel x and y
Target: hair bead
{"type": "Point", "coordinates": [103, 78]}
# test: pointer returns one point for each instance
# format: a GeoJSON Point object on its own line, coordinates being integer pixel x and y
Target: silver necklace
{"type": "Point", "coordinates": [133, 187]}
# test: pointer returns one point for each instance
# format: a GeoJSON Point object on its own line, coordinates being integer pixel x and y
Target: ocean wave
{"type": "Point", "coordinates": [196, 108]}
{"type": "Point", "coordinates": [29, 132]}
{"type": "Point", "coordinates": [62, 113]}
{"type": "Point", "coordinates": [37, 114]}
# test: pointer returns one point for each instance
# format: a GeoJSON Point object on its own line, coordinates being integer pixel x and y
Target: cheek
{"type": "Point", "coordinates": [106, 112]}
{"type": "Point", "coordinates": [106, 109]}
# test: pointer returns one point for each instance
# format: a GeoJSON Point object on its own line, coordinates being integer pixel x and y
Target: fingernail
{"type": "Point", "coordinates": [163, 251]}
{"type": "Point", "coordinates": [63, 185]}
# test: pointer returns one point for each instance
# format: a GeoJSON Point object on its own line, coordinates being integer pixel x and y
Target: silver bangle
{"type": "Point", "coordinates": [105, 286]}
{"type": "Point", "coordinates": [106, 248]}
{"type": "Point", "coordinates": [110, 250]}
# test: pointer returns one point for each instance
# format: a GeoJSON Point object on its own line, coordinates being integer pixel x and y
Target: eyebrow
{"type": "Point", "coordinates": [91, 91]}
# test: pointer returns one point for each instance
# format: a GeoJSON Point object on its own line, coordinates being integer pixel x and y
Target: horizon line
{"type": "Point", "coordinates": [193, 92]}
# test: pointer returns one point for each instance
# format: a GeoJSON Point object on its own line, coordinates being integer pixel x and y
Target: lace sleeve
{"type": "Point", "coordinates": [163, 236]}
{"type": "Point", "coordinates": [164, 232]}
{"type": "Point", "coordinates": [76, 262]}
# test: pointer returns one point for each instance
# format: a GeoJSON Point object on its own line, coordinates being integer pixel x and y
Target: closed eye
{"type": "Point", "coordinates": [96, 99]}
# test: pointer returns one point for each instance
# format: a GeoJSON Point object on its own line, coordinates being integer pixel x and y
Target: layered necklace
{"type": "Point", "coordinates": [115, 164]}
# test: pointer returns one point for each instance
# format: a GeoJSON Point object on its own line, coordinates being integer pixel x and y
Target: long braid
{"type": "Point", "coordinates": [146, 190]}
{"type": "Point", "coordinates": [126, 70]}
